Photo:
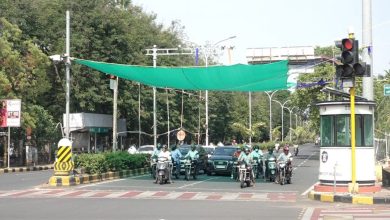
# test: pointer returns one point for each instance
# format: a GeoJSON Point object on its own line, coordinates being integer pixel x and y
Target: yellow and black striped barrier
{"type": "Point", "coordinates": [64, 163]}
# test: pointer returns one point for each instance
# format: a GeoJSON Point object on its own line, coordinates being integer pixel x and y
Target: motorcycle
{"type": "Point", "coordinates": [296, 149]}
{"type": "Point", "coordinates": [176, 169]}
{"type": "Point", "coordinates": [260, 171]}
{"type": "Point", "coordinates": [255, 167]}
{"type": "Point", "coordinates": [246, 175]}
{"type": "Point", "coordinates": [235, 171]}
{"type": "Point", "coordinates": [258, 167]}
{"type": "Point", "coordinates": [190, 169]}
{"type": "Point", "coordinates": [270, 168]}
{"type": "Point", "coordinates": [285, 172]}
{"type": "Point", "coordinates": [153, 167]}
{"type": "Point", "coordinates": [163, 171]}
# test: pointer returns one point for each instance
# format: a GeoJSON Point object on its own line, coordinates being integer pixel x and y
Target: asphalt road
{"type": "Point", "coordinates": [23, 196]}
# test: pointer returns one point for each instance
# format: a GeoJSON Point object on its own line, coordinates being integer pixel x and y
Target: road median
{"type": "Point", "coordinates": [77, 179]}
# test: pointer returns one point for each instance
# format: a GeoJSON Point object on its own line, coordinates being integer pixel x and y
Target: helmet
{"type": "Point", "coordinates": [285, 148]}
{"type": "Point", "coordinates": [165, 147]}
{"type": "Point", "coordinates": [247, 150]}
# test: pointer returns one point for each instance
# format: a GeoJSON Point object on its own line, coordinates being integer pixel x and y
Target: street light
{"type": "Point", "coordinates": [66, 59]}
{"type": "Point", "coordinates": [282, 107]}
{"type": "Point", "coordinates": [207, 50]}
{"type": "Point", "coordinates": [290, 110]}
{"type": "Point", "coordinates": [270, 112]}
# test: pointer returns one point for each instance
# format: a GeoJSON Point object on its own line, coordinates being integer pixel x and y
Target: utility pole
{"type": "Point", "coordinates": [368, 82]}
{"type": "Point", "coordinates": [163, 52]}
{"type": "Point", "coordinates": [67, 65]}
{"type": "Point", "coordinates": [114, 82]}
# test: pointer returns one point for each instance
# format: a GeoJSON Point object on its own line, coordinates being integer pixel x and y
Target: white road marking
{"type": "Point", "coordinates": [191, 184]}
{"type": "Point", "coordinates": [102, 182]}
{"type": "Point", "coordinates": [308, 214]}
{"type": "Point", "coordinates": [309, 189]}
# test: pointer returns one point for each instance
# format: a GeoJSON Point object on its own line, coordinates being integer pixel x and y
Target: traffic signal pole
{"type": "Point", "coordinates": [353, 187]}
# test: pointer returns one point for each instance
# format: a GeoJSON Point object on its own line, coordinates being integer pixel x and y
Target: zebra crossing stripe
{"type": "Point", "coordinates": [164, 195]}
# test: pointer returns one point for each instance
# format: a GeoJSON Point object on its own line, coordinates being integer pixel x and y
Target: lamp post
{"type": "Point", "coordinates": [207, 50]}
{"type": "Point", "coordinates": [270, 112]}
{"type": "Point", "coordinates": [282, 107]}
{"type": "Point", "coordinates": [67, 64]}
{"type": "Point", "coordinates": [290, 110]}
{"type": "Point", "coordinates": [66, 59]}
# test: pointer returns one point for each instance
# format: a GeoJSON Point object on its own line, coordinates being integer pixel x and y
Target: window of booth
{"type": "Point", "coordinates": [335, 130]}
{"type": "Point", "coordinates": [368, 131]}
{"type": "Point", "coordinates": [327, 130]}
{"type": "Point", "coordinates": [343, 134]}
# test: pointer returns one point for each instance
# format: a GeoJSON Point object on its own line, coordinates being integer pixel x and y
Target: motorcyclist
{"type": "Point", "coordinates": [284, 157]}
{"type": "Point", "coordinates": [269, 155]}
{"type": "Point", "coordinates": [156, 151]}
{"type": "Point", "coordinates": [193, 155]}
{"type": "Point", "coordinates": [165, 154]}
{"type": "Point", "coordinates": [257, 156]}
{"type": "Point", "coordinates": [247, 159]}
{"type": "Point", "coordinates": [176, 155]}
{"type": "Point", "coordinates": [256, 153]}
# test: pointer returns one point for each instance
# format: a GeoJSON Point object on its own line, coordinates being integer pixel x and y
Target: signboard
{"type": "Point", "coordinates": [181, 135]}
{"type": "Point", "coordinates": [98, 130]}
{"type": "Point", "coordinates": [10, 113]}
{"type": "Point", "coordinates": [386, 90]}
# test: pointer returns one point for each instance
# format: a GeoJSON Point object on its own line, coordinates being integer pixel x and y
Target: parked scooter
{"type": "Point", "coordinates": [246, 175]}
{"type": "Point", "coordinates": [163, 173]}
{"type": "Point", "coordinates": [270, 168]}
{"type": "Point", "coordinates": [190, 169]}
{"type": "Point", "coordinates": [285, 172]}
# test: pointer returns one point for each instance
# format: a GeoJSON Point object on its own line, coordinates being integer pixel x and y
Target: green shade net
{"type": "Point", "coordinates": [240, 77]}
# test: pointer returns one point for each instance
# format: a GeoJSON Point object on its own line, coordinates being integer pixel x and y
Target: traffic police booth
{"type": "Point", "coordinates": [335, 148]}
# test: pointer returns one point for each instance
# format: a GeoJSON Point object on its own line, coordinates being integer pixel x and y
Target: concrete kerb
{"type": "Point", "coordinates": [348, 198]}
{"type": "Point", "coordinates": [73, 180]}
{"type": "Point", "coordinates": [26, 169]}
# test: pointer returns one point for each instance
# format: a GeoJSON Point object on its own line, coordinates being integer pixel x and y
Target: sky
{"type": "Point", "coordinates": [275, 23]}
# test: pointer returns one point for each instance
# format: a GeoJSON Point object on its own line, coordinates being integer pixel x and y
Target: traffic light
{"type": "Point", "coordinates": [351, 67]}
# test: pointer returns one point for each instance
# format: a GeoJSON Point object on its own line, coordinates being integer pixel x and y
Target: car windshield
{"type": "Point", "coordinates": [148, 148]}
{"type": "Point", "coordinates": [225, 151]}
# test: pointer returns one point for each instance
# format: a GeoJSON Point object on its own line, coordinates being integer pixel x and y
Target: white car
{"type": "Point", "coordinates": [146, 149]}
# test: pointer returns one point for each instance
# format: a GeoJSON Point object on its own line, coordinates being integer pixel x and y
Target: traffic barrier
{"type": "Point", "coordinates": [93, 178]}
{"type": "Point", "coordinates": [26, 169]}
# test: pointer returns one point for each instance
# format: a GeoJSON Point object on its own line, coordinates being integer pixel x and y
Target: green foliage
{"type": "Point", "coordinates": [92, 163]}
{"type": "Point", "coordinates": [111, 161]}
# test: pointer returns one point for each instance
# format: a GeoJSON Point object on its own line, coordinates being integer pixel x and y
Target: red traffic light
{"type": "Point", "coordinates": [347, 44]}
